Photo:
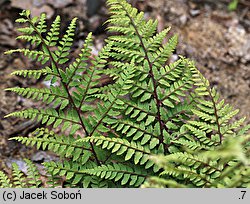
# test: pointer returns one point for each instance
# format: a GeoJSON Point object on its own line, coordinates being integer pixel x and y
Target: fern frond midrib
{"type": "Point", "coordinates": [106, 112]}
{"type": "Point", "coordinates": [216, 115]}
{"type": "Point", "coordinates": [168, 72]}
{"type": "Point", "coordinates": [52, 141]}
{"type": "Point", "coordinates": [192, 172]}
{"type": "Point", "coordinates": [145, 131]}
{"type": "Point", "coordinates": [136, 107]}
{"type": "Point", "coordinates": [87, 171]}
{"type": "Point", "coordinates": [47, 114]}
{"type": "Point", "coordinates": [158, 102]}
{"type": "Point", "coordinates": [123, 144]}
{"type": "Point", "coordinates": [38, 90]}
{"type": "Point", "coordinates": [179, 88]}
{"type": "Point", "coordinates": [87, 88]}
{"type": "Point", "coordinates": [65, 87]}
{"type": "Point", "coordinates": [57, 68]}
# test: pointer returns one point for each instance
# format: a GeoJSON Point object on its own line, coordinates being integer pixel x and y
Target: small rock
{"type": "Point", "coordinates": [194, 12]}
{"type": "Point", "coordinates": [183, 19]}
{"type": "Point", "coordinates": [18, 63]}
{"type": "Point", "coordinates": [7, 40]}
{"type": "Point", "coordinates": [6, 27]}
{"type": "Point", "coordinates": [94, 23]}
{"type": "Point", "coordinates": [39, 3]}
{"type": "Point", "coordinates": [6, 32]}
{"type": "Point", "coordinates": [239, 44]}
{"type": "Point", "coordinates": [174, 58]}
{"type": "Point", "coordinates": [44, 9]}
{"type": "Point", "coordinates": [93, 6]}
{"type": "Point", "coordinates": [3, 62]}
{"type": "Point", "coordinates": [20, 163]}
{"type": "Point", "coordinates": [94, 51]}
{"type": "Point", "coordinates": [30, 4]}
{"type": "Point", "coordinates": [176, 11]}
{"type": "Point", "coordinates": [39, 156]}
{"type": "Point", "coordinates": [42, 156]}
{"type": "Point", "coordinates": [36, 7]}
{"type": "Point", "coordinates": [99, 44]}
{"type": "Point", "coordinates": [59, 3]}
{"type": "Point", "coordinates": [2, 2]}
{"type": "Point", "coordinates": [22, 4]}
{"type": "Point", "coordinates": [192, 5]}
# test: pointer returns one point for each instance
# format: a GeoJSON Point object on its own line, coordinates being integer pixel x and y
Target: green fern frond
{"type": "Point", "coordinates": [40, 56]}
{"type": "Point", "coordinates": [41, 27]}
{"type": "Point", "coordinates": [215, 115]}
{"type": "Point", "coordinates": [103, 110]}
{"type": "Point", "coordinates": [61, 145]}
{"type": "Point", "coordinates": [119, 172]}
{"type": "Point", "coordinates": [74, 172]}
{"type": "Point", "coordinates": [32, 39]}
{"type": "Point", "coordinates": [33, 73]}
{"type": "Point", "coordinates": [156, 182]}
{"type": "Point", "coordinates": [33, 174]}
{"type": "Point", "coordinates": [156, 41]}
{"type": "Point", "coordinates": [53, 95]}
{"type": "Point", "coordinates": [80, 64]}
{"type": "Point", "coordinates": [4, 181]}
{"type": "Point", "coordinates": [121, 146]}
{"type": "Point", "coordinates": [65, 44]}
{"type": "Point", "coordinates": [51, 116]}
{"type": "Point", "coordinates": [18, 177]}
{"type": "Point", "coordinates": [225, 166]}
{"type": "Point", "coordinates": [53, 34]}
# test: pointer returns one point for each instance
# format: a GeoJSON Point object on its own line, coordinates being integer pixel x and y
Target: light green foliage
{"type": "Point", "coordinates": [20, 180]}
{"type": "Point", "coordinates": [4, 181]}
{"type": "Point", "coordinates": [152, 107]}
{"type": "Point", "coordinates": [233, 5]}
{"type": "Point", "coordinates": [225, 166]}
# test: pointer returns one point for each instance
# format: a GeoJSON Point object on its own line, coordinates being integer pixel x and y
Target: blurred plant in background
{"type": "Point", "coordinates": [233, 5]}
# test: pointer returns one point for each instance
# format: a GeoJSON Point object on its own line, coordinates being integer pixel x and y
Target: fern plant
{"type": "Point", "coordinates": [232, 6]}
{"type": "Point", "coordinates": [225, 166]}
{"type": "Point", "coordinates": [19, 180]}
{"type": "Point", "coordinates": [151, 107]}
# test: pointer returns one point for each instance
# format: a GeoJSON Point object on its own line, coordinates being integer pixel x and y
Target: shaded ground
{"type": "Point", "coordinates": [218, 40]}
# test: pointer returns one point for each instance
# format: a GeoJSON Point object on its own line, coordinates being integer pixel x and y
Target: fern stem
{"type": "Point", "coordinates": [118, 171]}
{"type": "Point", "coordinates": [144, 131]}
{"type": "Point", "coordinates": [201, 176]}
{"type": "Point", "coordinates": [216, 115]}
{"type": "Point", "coordinates": [86, 89]}
{"type": "Point", "coordinates": [94, 153]}
{"type": "Point", "coordinates": [136, 107]}
{"type": "Point", "coordinates": [51, 141]}
{"type": "Point", "coordinates": [179, 88]}
{"type": "Point", "coordinates": [65, 86]}
{"type": "Point", "coordinates": [151, 74]}
{"type": "Point", "coordinates": [107, 158]}
{"type": "Point", "coordinates": [104, 115]}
